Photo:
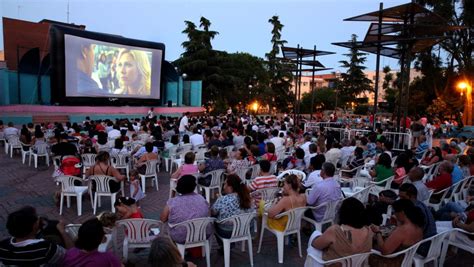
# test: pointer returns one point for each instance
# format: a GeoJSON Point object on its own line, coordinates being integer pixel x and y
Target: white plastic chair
{"type": "Point", "coordinates": [452, 240]}
{"type": "Point", "coordinates": [242, 173]}
{"type": "Point", "coordinates": [240, 232]}
{"type": "Point", "coordinates": [408, 253]}
{"type": "Point", "coordinates": [88, 161]}
{"type": "Point", "coordinates": [137, 233]}
{"type": "Point", "coordinates": [266, 194]}
{"type": "Point", "coordinates": [434, 251]}
{"type": "Point", "coordinates": [362, 195]}
{"type": "Point", "coordinates": [13, 143]}
{"type": "Point", "coordinates": [121, 161]}
{"type": "Point", "coordinates": [68, 190]}
{"type": "Point", "coordinates": [184, 148]}
{"type": "Point", "coordinates": [171, 156]}
{"type": "Point", "coordinates": [300, 174]}
{"type": "Point", "coordinates": [386, 216]}
{"type": "Point", "coordinates": [443, 196]}
{"type": "Point", "coordinates": [330, 209]}
{"type": "Point", "coordinates": [196, 236]}
{"type": "Point", "coordinates": [255, 171]}
{"type": "Point", "coordinates": [24, 152]}
{"type": "Point", "coordinates": [151, 171]}
{"type": "Point", "coordinates": [37, 151]}
{"type": "Point", "coordinates": [356, 260]}
{"type": "Point", "coordinates": [349, 172]}
{"type": "Point", "coordinates": [72, 230]}
{"type": "Point", "coordinates": [292, 227]}
{"type": "Point", "coordinates": [380, 186]}
{"type": "Point", "coordinates": [102, 189]}
{"type": "Point", "coordinates": [273, 167]}
{"type": "Point", "coordinates": [216, 183]}
{"type": "Point", "coordinates": [460, 192]}
{"type": "Point", "coordinates": [229, 149]}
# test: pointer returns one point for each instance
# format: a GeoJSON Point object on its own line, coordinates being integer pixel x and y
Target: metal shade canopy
{"type": "Point", "coordinates": [294, 52]}
{"type": "Point", "coordinates": [401, 13]}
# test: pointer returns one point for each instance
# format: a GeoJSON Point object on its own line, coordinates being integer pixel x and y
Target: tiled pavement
{"type": "Point", "coordinates": [24, 185]}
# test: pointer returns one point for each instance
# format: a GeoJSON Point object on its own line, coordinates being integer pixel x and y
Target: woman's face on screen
{"type": "Point", "coordinates": [127, 69]}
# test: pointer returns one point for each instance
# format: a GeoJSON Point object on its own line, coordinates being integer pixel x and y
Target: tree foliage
{"type": "Point", "coordinates": [279, 72]}
{"type": "Point", "coordinates": [324, 98]}
{"type": "Point", "coordinates": [353, 82]}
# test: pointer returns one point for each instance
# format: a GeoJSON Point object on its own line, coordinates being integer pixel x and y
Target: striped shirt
{"type": "Point", "coordinates": [32, 252]}
{"type": "Point", "coordinates": [262, 182]}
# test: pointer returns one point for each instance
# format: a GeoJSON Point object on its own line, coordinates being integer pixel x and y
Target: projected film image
{"type": "Point", "coordinates": [100, 69]}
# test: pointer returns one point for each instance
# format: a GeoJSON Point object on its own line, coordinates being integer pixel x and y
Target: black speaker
{"type": "Point", "coordinates": [170, 103]}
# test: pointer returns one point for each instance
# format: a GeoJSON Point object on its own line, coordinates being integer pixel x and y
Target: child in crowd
{"type": "Point", "coordinates": [136, 191]}
{"type": "Point", "coordinates": [187, 168]}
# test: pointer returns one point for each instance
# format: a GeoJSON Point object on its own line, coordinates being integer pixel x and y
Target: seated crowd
{"type": "Point", "coordinates": [407, 201]}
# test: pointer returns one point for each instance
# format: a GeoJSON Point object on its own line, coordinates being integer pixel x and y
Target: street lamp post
{"type": "Point", "coordinates": [467, 86]}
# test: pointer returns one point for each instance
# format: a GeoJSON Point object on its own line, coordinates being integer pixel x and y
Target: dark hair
{"type": "Point", "coordinates": [175, 139]}
{"type": "Point", "coordinates": [118, 143]}
{"type": "Point", "coordinates": [90, 235]}
{"type": "Point", "coordinates": [149, 147]}
{"type": "Point", "coordinates": [214, 151]}
{"type": "Point", "coordinates": [186, 184]}
{"type": "Point", "coordinates": [20, 223]}
{"type": "Point", "coordinates": [265, 165]}
{"type": "Point", "coordinates": [189, 157]}
{"type": "Point", "coordinates": [413, 213]}
{"type": "Point", "coordinates": [293, 181]}
{"type": "Point", "coordinates": [359, 152]}
{"type": "Point", "coordinates": [385, 160]}
{"type": "Point", "coordinates": [243, 153]}
{"type": "Point", "coordinates": [409, 189]}
{"type": "Point", "coordinates": [127, 201]}
{"type": "Point", "coordinates": [328, 168]}
{"type": "Point", "coordinates": [299, 153]}
{"type": "Point", "coordinates": [186, 139]}
{"type": "Point", "coordinates": [317, 161]}
{"type": "Point", "coordinates": [270, 147]}
{"type": "Point", "coordinates": [102, 138]}
{"type": "Point", "coordinates": [352, 212]}
{"type": "Point", "coordinates": [438, 153]}
{"type": "Point", "coordinates": [241, 190]}
{"type": "Point", "coordinates": [464, 160]}
{"type": "Point", "coordinates": [102, 156]}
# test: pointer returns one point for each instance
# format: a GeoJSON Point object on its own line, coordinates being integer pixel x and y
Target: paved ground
{"type": "Point", "coordinates": [23, 185]}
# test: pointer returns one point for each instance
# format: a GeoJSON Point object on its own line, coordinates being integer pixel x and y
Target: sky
{"type": "Point", "coordinates": [242, 24]}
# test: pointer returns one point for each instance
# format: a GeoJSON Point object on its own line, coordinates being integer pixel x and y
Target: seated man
{"type": "Point", "coordinates": [324, 191]}
{"type": "Point", "coordinates": [265, 180]}
{"type": "Point", "coordinates": [24, 248]}
{"type": "Point", "coordinates": [416, 175]}
{"type": "Point", "coordinates": [444, 179]}
{"type": "Point", "coordinates": [314, 177]}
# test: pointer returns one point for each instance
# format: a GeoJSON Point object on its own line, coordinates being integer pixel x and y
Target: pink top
{"type": "Point", "coordinates": [189, 169]}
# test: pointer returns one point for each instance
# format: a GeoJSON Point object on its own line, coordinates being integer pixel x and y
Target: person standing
{"type": "Point", "coordinates": [183, 124]}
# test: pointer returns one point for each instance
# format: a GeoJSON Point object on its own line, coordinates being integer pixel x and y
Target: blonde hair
{"type": "Point", "coordinates": [143, 66]}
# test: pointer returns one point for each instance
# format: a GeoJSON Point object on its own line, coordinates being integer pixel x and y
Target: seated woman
{"type": "Point", "coordinates": [102, 142]}
{"type": "Point", "coordinates": [409, 231]}
{"type": "Point", "coordinates": [187, 168]}
{"type": "Point", "coordinates": [296, 161]}
{"type": "Point", "coordinates": [383, 168]}
{"type": "Point", "coordinates": [102, 167]}
{"type": "Point", "coordinates": [270, 152]}
{"type": "Point", "coordinates": [118, 147]}
{"type": "Point", "coordinates": [38, 138]}
{"type": "Point", "coordinates": [401, 164]}
{"type": "Point", "coordinates": [211, 164]}
{"type": "Point", "coordinates": [163, 252]}
{"type": "Point", "coordinates": [90, 236]}
{"type": "Point", "coordinates": [351, 236]}
{"type": "Point", "coordinates": [187, 205]}
{"type": "Point", "coordinates": [433, 156]}
{"type": "Point", "coordinates": [149, 155]}
{"type": "Point", "coordinates": [127, 208]}
{"type": "Point", "coordinates": [239, 161]}
{"type": "Point", "coordinates": [88, 147]}
{"type": "Point", "coordinates": [357, 161]}
{"type": "Point", "coordinates": [291, 199]}
{"type": "Point", "coordinates": [235, 201]}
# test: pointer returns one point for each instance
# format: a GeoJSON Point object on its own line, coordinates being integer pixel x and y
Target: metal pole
{"type": "Point", "coordinates": [296, 85]}
{"type": "Point", "coordinates": [408, 63]}
{"type": "Point", "coordinates": [300, 66]}
{"type": "Point", "coordinates": [18, 80]}
{"type": "Point", "coordinates": [377, 67]}
{"type": "Point", "coordinates": [312, 84]}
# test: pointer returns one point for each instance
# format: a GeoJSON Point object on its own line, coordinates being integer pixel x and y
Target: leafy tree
{"type": "Point", "coordinates": [279, 73]}
{"type": "Point", "coordinates": [390, 93]}
{"type": "Point", "coordinates": [353, 82]}
{"type": "Point", "coordinates": [325, 98]}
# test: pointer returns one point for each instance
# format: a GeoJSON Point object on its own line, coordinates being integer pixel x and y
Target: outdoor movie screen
{"type": "Point", "coordinates": [101, 69]}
